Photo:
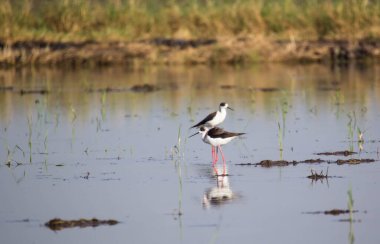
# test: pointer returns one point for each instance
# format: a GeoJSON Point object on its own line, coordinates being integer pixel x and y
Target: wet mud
{"type": "Point", "coordinates": [268, 89]}
{"type": "Point", "coordinates": [6, 88]}
{"type": "Point", "coordinates": [230, 50]}
{"type": "Point", "coordinates": [36, 91]}
{"type": "Point", "coordinates": [106, 90]}
{"type": "Point", "coordinates": [334, 212]}
{"type": "Point", "coordinates": [144, 88]}
{"type": "Point", "coordinates": [59, 224]}
{"type": "Point", "coordinates": [354, 161]}
{"type": "Point", "coordinates": [181, 43]}
{"type": "Point", "coordinates": [337, 153]}
{"type": "Point", "coordinates": [318, 176]}
{"type": "Point", "coordinates": [281, 163]}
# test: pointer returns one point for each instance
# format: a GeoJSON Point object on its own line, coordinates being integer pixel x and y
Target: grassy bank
{"type": "Point", "coordinates": [124, 20]}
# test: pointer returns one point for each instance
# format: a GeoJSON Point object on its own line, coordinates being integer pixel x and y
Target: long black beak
{"type": "Point", "coordinates": [230, 108]}
{"type": "Point", "coordinates": [194, 134]}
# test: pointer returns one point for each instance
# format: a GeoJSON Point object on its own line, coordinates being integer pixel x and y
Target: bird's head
{"type": "Point", "coordinates": [224, 106]}
{"type": "Point", "coordinates": [203, 131]}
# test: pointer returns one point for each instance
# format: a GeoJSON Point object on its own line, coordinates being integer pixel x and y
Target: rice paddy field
{"type": "Point", "coordinates": [97, 99]}
{"type": "Point", "coordinates": [112, 143]}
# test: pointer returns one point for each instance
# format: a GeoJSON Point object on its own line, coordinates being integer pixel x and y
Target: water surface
{"type": "Point", "coordinates": [81, 151]}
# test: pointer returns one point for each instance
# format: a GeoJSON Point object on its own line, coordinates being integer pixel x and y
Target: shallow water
{"type": "Point", "coordinates": [80, 152]}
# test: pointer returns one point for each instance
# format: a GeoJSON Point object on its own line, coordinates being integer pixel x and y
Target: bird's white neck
{"type": "Point", "coordinates": [204, 137]}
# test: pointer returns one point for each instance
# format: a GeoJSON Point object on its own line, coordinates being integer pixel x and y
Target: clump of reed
{"type": "Point", "coordinates": [74, 20]}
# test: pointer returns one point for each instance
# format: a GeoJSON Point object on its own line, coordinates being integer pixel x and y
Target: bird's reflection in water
{"type": "Point", "coordinates": [220, 194]}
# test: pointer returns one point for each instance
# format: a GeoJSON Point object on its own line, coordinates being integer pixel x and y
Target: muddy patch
{"type": "Point", "coordinates": [280, 163]}
{"type": "Point", "coordinates": [226, 87]}
{"type": "Point", "coordinates": [268, 89]}
{"type": "Point", "coordinates": [34, 91]}
{"type": "Point", "coordinates": [106, 90]}
{"type": "Point", "coordinates": [268, 163]}
{"type": "Point", "coordinates": [328, 88]}
{"type": "Point", "coordinates": [181, 43]}
{"type": "Point", "coordinates": [318, 176]}
{"type": "Point", "coordinates": [337, 153]}
{"type": "Point", "coordinates": [230, 50]}
{"type": "Point", "coordinates": [144, 88]}
{"type": "Point", "coordinates": [6, 88]}
{"type": "Point", "coordinates": [334, 212]}
{"type": "Point", "coordinates": [354, 161]}
{"type": "Point", "coordinates": [59, 224]}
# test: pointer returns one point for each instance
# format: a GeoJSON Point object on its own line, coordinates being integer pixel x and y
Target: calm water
{"type": "Point", "coordinates": [79, 152]}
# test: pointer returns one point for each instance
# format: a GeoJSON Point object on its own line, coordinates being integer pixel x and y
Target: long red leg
{"type": "Point", "coordinates": [215, 170]}
{"type": "Point", "coordinates": [213, 155]}
{"type": "Point", "coordinates": [216, 154]}
{"type": "Point", "coordinates": [224, 161]}
{"type": "Point", "coordinates": [214, 159]}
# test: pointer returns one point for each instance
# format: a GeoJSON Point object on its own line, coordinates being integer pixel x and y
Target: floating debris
{"type": "Point", "coordinates": [6, 88]}
{"type": "Point", "coordinates": [59, 224]}
{"type": "Point", "coordinates": [144, 88]}
{"type": "Point", "coordinates": [337, 153]}
{"type": "Point", "coordinates": [333, 212]}
{"type": "Point", "coordinates": [227, 87]}
{"type": "Point", "coordinates": [270, 163]}
{"type": "Point", "coordinates": [268, 89]}
{"type": "Point", "coordinates": [315, 176]}
{"type": "Point", "coordinates": [107, 90]}
{"type": "Point", "coordinates": [328, 88]}
{"type": "Point", "coordinates": [39, 91]}
{"type": "Point", "coordinates": [354, 161]}
{"type": "Point", "coordinates": [182, 43]}
{"type": "Point", "coordinates": [312, 161]}
{"type": "Point", "coordinates": [86, 176]}
{"type": "Point", "coordinates": [279, 163]}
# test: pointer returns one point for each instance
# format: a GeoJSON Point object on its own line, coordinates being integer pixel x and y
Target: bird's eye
{"type": "Point", "coordinates": [202, 129]}
{"type": "Point", "coordinates": [223, 104]}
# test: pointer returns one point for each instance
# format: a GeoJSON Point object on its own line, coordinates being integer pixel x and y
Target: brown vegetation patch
{"type": "Point", "coordinates": [333, 212]}
{"type": "Point", "coordinates": [226, 87]}
{"type": "Point", "coordinates": [106, 90]}
{"type": "Point", "coordinates": [182, 43]}
{"type": "Point", "coordinates": [318, 176]}
{"type": "Point", "coordinates": [144, 88]}
{"type": "Point", "coordinates": [6, 88]}
{"type": "Point", "coordinates": [327, 88]}
{"type": "Point", "coordinates": [269, 89]}
{"type": "Point", "coordinates": [271, 163]}
{"type": "Point", "coordinates": [354, 161]}
{"type": "Point", "coordinates": [36, 91]}
{"type": "Point", "coordinates": [230, 50]}
{"type": "Point", "coordinates": [59, 224]}
{"type": "Point", "coordinates": [337, 153]}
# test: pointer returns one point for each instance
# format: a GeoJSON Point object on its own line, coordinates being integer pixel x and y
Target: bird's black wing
{"type": "Point", "coordinates": [219, 132]}
{"type": "Point", "coordinates": [208, 118]}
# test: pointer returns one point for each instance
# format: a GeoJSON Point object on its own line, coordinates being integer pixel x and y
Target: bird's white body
{"type": "Point", "coordinates": [215, 118]}
{"type": "Point", "coordinates": [216, 136]}
{"type": "Point", "coordinates": [217, 141]}
{"type": "Point", "coordinates": [219, 117]}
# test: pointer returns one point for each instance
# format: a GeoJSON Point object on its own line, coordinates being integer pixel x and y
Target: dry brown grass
{"type": "Point", "coordinates": [121, 20]}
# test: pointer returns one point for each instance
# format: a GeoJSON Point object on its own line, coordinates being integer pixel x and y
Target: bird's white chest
{"type": "Point", "coordinates": [218, 119]}
{"type": "Point", "coordinates": [217, 141]}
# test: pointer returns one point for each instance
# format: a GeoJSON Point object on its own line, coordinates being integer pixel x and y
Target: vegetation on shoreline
{"type": "Point", "coordinates": [126, 20]}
